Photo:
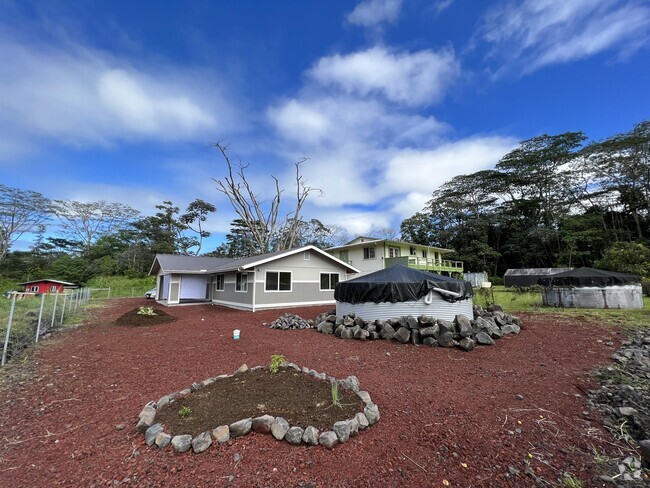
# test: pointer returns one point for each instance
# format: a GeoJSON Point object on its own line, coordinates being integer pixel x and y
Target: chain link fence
{"type": "Point", "coordinates": [25, 317]}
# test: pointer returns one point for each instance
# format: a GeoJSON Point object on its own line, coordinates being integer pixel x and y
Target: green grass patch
{"type": "Point", "coordinates": [514, 301]}
{"type": "Point", "coordinates": [122, 287]}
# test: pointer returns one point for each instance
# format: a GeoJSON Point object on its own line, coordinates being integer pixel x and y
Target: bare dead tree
{"type": "Point", "coordinates": [260, 217]}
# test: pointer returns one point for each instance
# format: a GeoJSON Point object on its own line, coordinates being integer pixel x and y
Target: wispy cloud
{"type": "Point", "coordinates": [442, 5]}
{"type": "Point", "coordinates": [75, 95]}
{"type": "Point", "coordinates": [410, 78]}
{"type": "Point", "coordinates": [372, 13]}
{"type": "Point", "coordinates": [535, 33]}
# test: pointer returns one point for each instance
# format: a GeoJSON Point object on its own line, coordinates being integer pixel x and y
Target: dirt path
{"type": "Point", "coordinates": [446, 415]}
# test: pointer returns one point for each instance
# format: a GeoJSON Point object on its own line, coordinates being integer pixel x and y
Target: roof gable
{"type": "Point", "coordinates": [251, 262]}
{"type": "Point", "coordinates": [46, 280]}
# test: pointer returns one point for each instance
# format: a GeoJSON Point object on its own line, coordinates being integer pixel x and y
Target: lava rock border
{"type": "Point", "coordinates": [278, 427]}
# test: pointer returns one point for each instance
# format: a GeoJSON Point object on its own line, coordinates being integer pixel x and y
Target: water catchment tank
{"type": "Point", "coordinates": [398, 291]}
{"type": "Point", "coordinates": [592, 288]}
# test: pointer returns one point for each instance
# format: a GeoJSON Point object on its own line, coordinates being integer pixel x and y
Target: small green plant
{"type": "Point", "coordinates": [184, 412]}
{"type": "Point", "coordinates": [147, 311]}
{"type": "Point", "coordinates": [570, 481]}
{"type": "Point", "coordinates": [335, 395]}
{"type": "Point", "coordinates": [276, 362]}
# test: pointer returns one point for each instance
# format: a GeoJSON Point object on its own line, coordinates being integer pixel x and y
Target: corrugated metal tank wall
{"type": "Point", "coordinates": [628, 296]}
{"type": "Point", "coordinates": [438, 308]}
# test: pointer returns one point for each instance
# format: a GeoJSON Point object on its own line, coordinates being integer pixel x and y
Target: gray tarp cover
{"type": "Point", "coordinates": [399, 284]}
{"type": "Point", "coordinates": [589, 277]}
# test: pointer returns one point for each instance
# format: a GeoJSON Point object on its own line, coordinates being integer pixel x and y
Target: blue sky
{"type": "Point", "coordinates": [120, 101]}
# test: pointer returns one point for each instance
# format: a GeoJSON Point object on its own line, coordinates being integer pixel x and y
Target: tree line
{"type": "Point", "coordinates": [553, 201]}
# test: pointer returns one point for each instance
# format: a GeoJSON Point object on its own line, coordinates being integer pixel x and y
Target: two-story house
{"type": "Point", "coordinates": [368, 254]}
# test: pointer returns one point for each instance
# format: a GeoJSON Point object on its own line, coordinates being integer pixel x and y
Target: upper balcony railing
{"type": "Point", "coordinates": [427, 264]}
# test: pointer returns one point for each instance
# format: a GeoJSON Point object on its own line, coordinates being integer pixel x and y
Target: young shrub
{"type": "Point", "coordinates": [146, 311]}
{"type": "Point", "coordinates": [276, 361]}
{"type": "Point", "coordinates": [184, 412]}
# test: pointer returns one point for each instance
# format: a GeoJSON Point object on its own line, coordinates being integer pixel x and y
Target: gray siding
{"type": "Point", "coordinates": [305, 281]}
{"type": "Point", "coordinates": [229, 295]}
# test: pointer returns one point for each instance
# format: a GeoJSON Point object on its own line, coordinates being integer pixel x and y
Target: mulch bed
{"type": "Point", "coordinates": [298, 398]}
{"type": "Point", "coordinates": [68, 415]}
{"type": "Point", "coordinates": [132, 318]}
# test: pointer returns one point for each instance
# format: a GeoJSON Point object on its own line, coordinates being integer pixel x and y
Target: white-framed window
{"type": "Point", "coordinates": [306, 256]}
{"type": "Point", "coordinates": [241, 284]}
{"type": "Point", "coordinates": [393, 252]}
{"type": "Point", "coordinates": [53, 289]}
{"type": "Point", "coordinates": [34, 288]}
{"type": "Point", "coordinates": [344, 256]}
{"type": "Point", "coordinates": [413, 251]}
{"type": "Point", "coordinates": [220, 282]}
{"type": "Point", "coordinates": [368, 253]}
{"type": "Point", "coordinates": [277, 281]}
{"type": "Point", "coordinates": [424, 253]}
{"type": "Point", "coordinates": [328, 281]}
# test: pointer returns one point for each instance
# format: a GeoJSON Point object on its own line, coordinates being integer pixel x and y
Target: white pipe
{"type": "Point", "coordinates": [447, 292]}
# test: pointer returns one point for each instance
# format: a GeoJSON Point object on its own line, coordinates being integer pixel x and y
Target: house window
{"type": "Point", "coordinates": [368, 253]}
{"type": "Point", "coordinates": [306, 255]}
{"type": "Point", "coordinates": [34, 288]}
{"type": "Point", "coordinates": [412, 251]}
{"type": "Point", "coordinates": [278, 281]}
{"type": "Point", "coordinates": [242, 282]}
{"type": "Point", "coordinates": [328, 281]}
{"type": "Point", "coordinates": [424, 253]}
{"type": "Point", "coordinates": [344, 256]}
{"type": "Point", "coordinates": [393, 252]}
{"type": "Point", "coordinates": [53, 289]}
{"type": "Point", "coordinates": [220, 283]}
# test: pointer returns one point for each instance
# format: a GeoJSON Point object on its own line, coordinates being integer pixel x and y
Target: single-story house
{"type": "Point", "coordinates": [47, 286]}
{"type": "Point", "coordinates": [296, 277]}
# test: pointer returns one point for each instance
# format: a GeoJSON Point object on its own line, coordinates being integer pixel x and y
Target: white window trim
{"type": "Point", "coordinates": [413, 251]}
{"type": "Point", "coordinates": [279, 271]}
{"type": "Point", "coordinates": [223, 282]}
{"type": "Point", "coordinates": [34, 289]}
{"type": "Point", "coordinates": [306, 256]}
{"type": "Point", "coordinates": [330, 280]}
{"type": "Point", "coordinates": [241, 291]}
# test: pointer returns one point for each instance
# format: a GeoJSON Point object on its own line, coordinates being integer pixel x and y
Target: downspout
{"type": "Point", "coordinates": [254, 286]}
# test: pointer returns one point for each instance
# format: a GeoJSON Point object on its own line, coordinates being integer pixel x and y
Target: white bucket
{"type": "Point", "coordinates": [235, 334]}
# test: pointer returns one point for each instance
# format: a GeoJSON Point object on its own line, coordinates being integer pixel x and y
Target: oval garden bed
{"type": "Point", "coordinates": [295, 404]}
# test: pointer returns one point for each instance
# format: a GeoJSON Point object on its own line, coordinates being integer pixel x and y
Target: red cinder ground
{"type": "Point", "coordinates": [445, 414]}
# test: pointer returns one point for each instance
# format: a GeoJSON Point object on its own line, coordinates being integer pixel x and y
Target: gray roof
{"type": "Point", "coordinates": [203, 264]}
{"type": "Point", "coordinates": [170, 263]}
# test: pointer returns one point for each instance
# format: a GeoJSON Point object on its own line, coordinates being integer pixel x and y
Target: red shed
{"type": "Point", "coordinates": [47, 286]}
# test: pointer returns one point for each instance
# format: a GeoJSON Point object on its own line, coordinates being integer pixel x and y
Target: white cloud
{"type": "Point", "coordinates": [537, 33]}
{"type": "Point", "coordinates": [423, 170]}
{"type": "Point", "coordinates": [418, 78]}
{"type": "Point", "coordinates": [372, 13]}
{"type": "Point", "coordinates": [77, 96]}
